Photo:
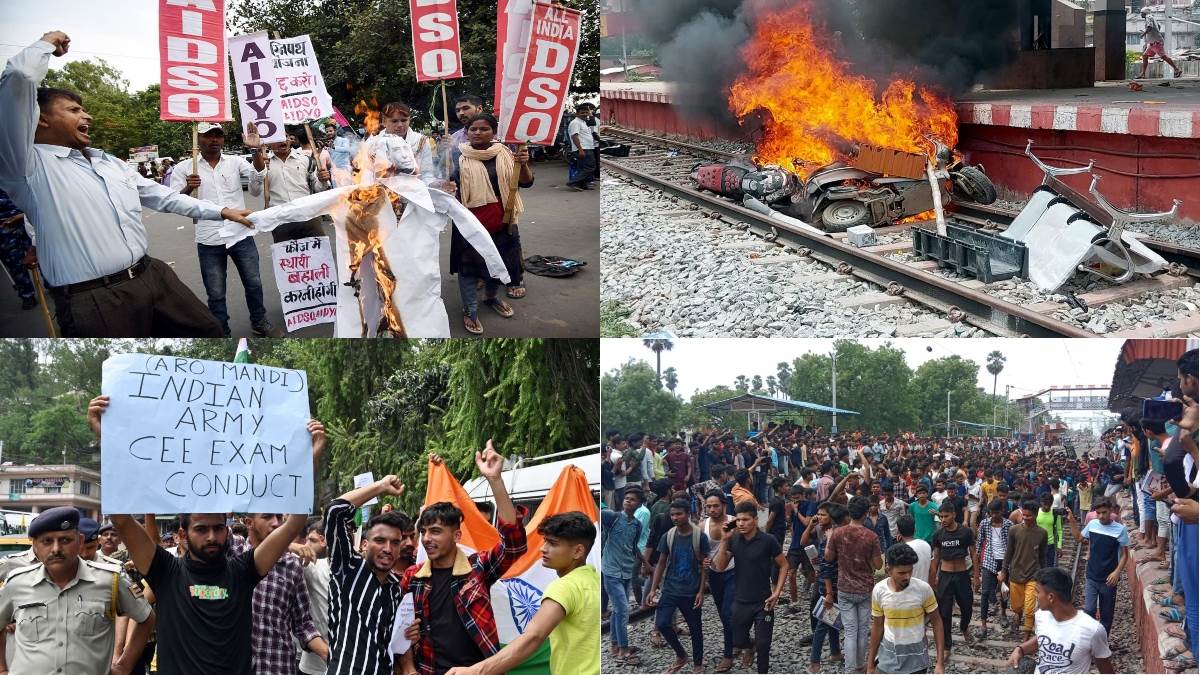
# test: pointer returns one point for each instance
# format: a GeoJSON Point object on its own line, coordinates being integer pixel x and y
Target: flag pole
{"type": "Point", "coordinates": [446, 127]}
{"type": "Point", "coordinates": [36, 273]}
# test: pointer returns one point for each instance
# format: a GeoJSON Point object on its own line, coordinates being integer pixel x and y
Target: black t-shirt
{"type": "Point", "coordinates": [204, 613]}
{"type": "Point", "coordinates": [606, 476]}
{"type": "Point", "coordinates": [454, 646]}
{"type": "Point", "coordinates": [959, 504]}
{"type": "Point", "coordinates": [754, 559]}
{"type": "Point", "coordinates": [779, 526]}
{"type": "Point", "coordinates": [953, 544]}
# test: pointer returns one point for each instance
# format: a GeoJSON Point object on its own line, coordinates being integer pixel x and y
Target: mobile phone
{"type": "Point", "coordinates": [1161, 411]}
{"type": "Point", "coordinates": [730, 525]}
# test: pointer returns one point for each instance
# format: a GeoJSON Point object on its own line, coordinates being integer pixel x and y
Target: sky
{"type": "Point", "coordinates": [1032, 364]}
{"type": "Point", "coordinates": [123, 33]}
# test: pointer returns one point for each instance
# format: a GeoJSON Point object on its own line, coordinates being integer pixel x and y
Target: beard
{"type": "Point", "coordinates": [209, 557]}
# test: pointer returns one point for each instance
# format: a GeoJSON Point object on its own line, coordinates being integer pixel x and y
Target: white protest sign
{"type": "Point", "coordinates": [307, 279]}
{"type": "Point", "coordinates": [254, 77]}
{"type": "Point", "coordinates": [302, 89]}
{"type": "Point", "coordinates": [363, 480]}
{"type": "Point", "coordinates": [190, 436]}
{"type": "Point", "coordinates": [404, 617]}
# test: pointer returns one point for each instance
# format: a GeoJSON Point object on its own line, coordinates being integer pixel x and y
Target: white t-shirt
{"type": "Point", "coordinates": [1068, 646]}
{"type": "Point", "coordinates": [578, 126]}
{"type": "Point", "coordinates": [924, 555]}
{"type": "Point", "coordinates": [937, 497]}
{"type": "Point", "coordinates": [618, 480]}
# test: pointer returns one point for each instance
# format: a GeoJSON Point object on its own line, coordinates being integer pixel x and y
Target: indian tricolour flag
{"type": "Point", "coordinates": [518, 595]}
{"type": "Point", "coordinates": [243, 352]}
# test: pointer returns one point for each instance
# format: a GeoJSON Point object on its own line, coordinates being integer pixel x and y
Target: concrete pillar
{"type": "Point", "coordinates": [1068, 25]}
{"type": "Point", "coordinates": [1108, 36]}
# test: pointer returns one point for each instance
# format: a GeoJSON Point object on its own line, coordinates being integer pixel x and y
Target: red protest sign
{"type": "Point", "coordinates": [191, 48]}
{"type": "Point", "coordinates": [435, 39]}
{"type": "Point", "coordinates": [549, 66]}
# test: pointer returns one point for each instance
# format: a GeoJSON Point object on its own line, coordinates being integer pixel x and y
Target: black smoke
{"type": "Point", "coordinates": [951, 44]}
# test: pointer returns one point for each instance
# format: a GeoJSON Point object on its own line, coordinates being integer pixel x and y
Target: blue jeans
{"type": "Point", "coordinates": [820, 630]}
{"type": "Point", "coordinates": [212, 271]}
{"type": "Point", "coordinates": [1051, 558]}
{"type": "Point", "coordinates": [663, 621]}
{"type": "Point", "coordinates": [855, 609]}
{"type": "Point", "coordinates": [1189, 544]}
{"type": "Point", "coordinates": [619, 622]}
{"type": "Point", "coordinates": [470, 296]}
{"type": "Point", "coordinates": [1094, 591]}
{"type": "Point", "coordinates": [722, 585]}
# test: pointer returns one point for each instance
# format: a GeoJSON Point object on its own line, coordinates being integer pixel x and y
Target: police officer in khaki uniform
{"type": "Point", "coordinates": [65, 608]}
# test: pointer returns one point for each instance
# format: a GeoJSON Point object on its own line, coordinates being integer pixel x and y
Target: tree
{"type": "Point", "coordinates": [741, 384]}
{"type": "Point", "coordinates": [634, 400]}
{"type": "Point", "coordinates": [695, 416]}
{"type": "Point", "coordinates": [658, 346]}
{"type": "Point", "coordinates": [783, 374]}
{"type": "Point", "coordinates": [756, 384]}
{"type": "Point", "coordinates": [670, 379]}
{"type": "Point", "coordinates": [995, 364]}
{"type": "Point", "coordinates": [934, 379]}
{"type": "Point", "coordinates": [772, 385]}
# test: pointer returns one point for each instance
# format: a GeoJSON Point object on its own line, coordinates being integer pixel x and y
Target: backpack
{"type": "Point", "coordinates": [695, 541]}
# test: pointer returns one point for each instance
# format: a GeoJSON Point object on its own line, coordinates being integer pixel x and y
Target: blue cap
{"type": "Point", "coordinates": [57, 519]}
{"type": "Point", "coordinates": [89, 528]}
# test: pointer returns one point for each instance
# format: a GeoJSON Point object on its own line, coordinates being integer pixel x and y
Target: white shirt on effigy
{"type": "Point", "coordinates": [422, 150]}
{"type": "Point", "coordinates": [222, 185]}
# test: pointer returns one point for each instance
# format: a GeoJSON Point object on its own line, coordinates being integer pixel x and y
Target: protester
{"type": "Point", "coordinates": [722, 583]}
{"type": "Point", "coordinates": [1107, 551]}
{"type": "Point", "coordinates": [1027, 544]}
{"type": "Point", "coordinates": [488, 175]}
{"type": "Point", "coordinates": [681, 572]}
{"type": "Point", "coordinates": [989, 562]}
{"type": "Point", "coordinates": [754, 600]}
{"type": "Point", "coordinates": [901, 605]}
{"type": "Point", "coordinates": [15, 245]}
{"type": "Point", "coordinates": [1065, 639]}
{"type": "Point", "coordinates": [855, 549]}
{"type": "Point", "coordinates": [292, 174]}
{"type": "Point", "coordinates": [620, 554]}
{"type": "Point", "coordinates": [1153, 38]}
{"type": "Point", "coordinates": [569, 613]}
{"type": "Point", "coordinates": [451, 590]}
{"type": "Point", "coordinates": [582, 148]}
{"type": "Point", "coordinates": [220, 181]}
{"type": "Point", "coordinates": [953, 547]}
{"type": "Point", "coordinates": [95, 259]}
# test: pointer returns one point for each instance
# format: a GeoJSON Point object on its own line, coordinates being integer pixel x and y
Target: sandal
{"type": "Point", "coordinates": [502, 308]}
{"type": "Point", "coordinates": [677, 665]}
{"type": "Point", "coordinates": [724, 665]}
{"type": "Point", "coordinates": [1160, 581]}
{"type": "Point", "coordinates": [1176, 631]}
{"type": "Point", "coordinates": [472, 325]}
{"type": "Point", "coordinates": [656, 640]}
{"type": "Point", "coordinates": [515, 292]}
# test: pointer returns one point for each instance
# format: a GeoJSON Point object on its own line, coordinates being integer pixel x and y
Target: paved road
{"type": "Point", "coordinates": [557, 221]}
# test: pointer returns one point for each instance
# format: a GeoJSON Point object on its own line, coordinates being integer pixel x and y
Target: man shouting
{"type": "Point", "coordinates": [85, 207]}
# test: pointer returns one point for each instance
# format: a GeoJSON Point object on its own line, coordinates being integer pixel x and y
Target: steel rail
{"type": "Point", "coordinates": [943, 295]}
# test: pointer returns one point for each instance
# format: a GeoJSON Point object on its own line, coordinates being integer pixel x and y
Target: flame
{"type": "Point", "coordinates": [816, 109]}
{"type": "Point", "coordinates": [919, 217]}
{"type": "Point", "coordinates": [363, 205]}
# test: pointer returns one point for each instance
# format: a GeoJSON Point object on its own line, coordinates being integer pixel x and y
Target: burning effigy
{"type": "Point", "coordinates": [387, 223]}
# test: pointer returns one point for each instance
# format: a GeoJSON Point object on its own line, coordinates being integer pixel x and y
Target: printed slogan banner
{"type": "Point", "coordinates": [307, 281]}
{"type": "Point", "coordinates": [512, 34]}
{"type": "Point", "coordinates": [191, 50]}
{"type": "Point", "coordinates": [302, 92]}
{"type": "Point", "coordinates": [549, 64]}
{"type": "Point", "coordinates": [258, 94]}
{"type": "Point", "coordinates": [436, 53]}
{"type": "Point", "coordinates": [190, 436]}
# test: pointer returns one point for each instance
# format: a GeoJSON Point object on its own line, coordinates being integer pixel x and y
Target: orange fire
{"type": "Point", "coordinates": [815, 108]}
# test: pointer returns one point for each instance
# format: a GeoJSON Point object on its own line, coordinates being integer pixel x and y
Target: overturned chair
{"type": "Point", "coordinates": [1065, 232]}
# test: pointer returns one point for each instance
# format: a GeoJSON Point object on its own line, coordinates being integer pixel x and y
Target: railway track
{"type": "Point", "coordinates": [664, 165]}
{"type": "Point", "coordinates": [988, 654]}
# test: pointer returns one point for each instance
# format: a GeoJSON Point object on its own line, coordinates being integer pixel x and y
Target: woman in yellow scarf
{"type": "Point", "coordinates": [485, 175]}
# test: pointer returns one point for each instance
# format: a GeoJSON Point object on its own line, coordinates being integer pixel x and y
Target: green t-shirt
{"type": "Point", "coordinates": [1045, 520]}
{"type": "Point", "coordinates": [579, 594]}
{"type": "Point", "coordinates": [924, 517]}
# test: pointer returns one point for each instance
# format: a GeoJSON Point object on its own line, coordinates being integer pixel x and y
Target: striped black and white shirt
{"type": "Point", "coordinates": [361, 610]}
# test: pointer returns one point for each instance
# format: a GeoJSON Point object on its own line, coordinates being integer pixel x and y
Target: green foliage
{"type": "Point", "coordinates": [634, 400]}
{"type": "Point", "coordinates": [365, 51]}
{"type": "Point", "coordinates": [694, 416]}
{"type": "Point", "coordinates": [671, 379]}
{"type": "Point", "coordinates": [385, 403]}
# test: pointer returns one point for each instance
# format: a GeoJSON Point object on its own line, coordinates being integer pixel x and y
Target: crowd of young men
{"type": "Point", "coordinates": [276, 595]}
{"type": "Point", "coordinates": [895, 532]}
